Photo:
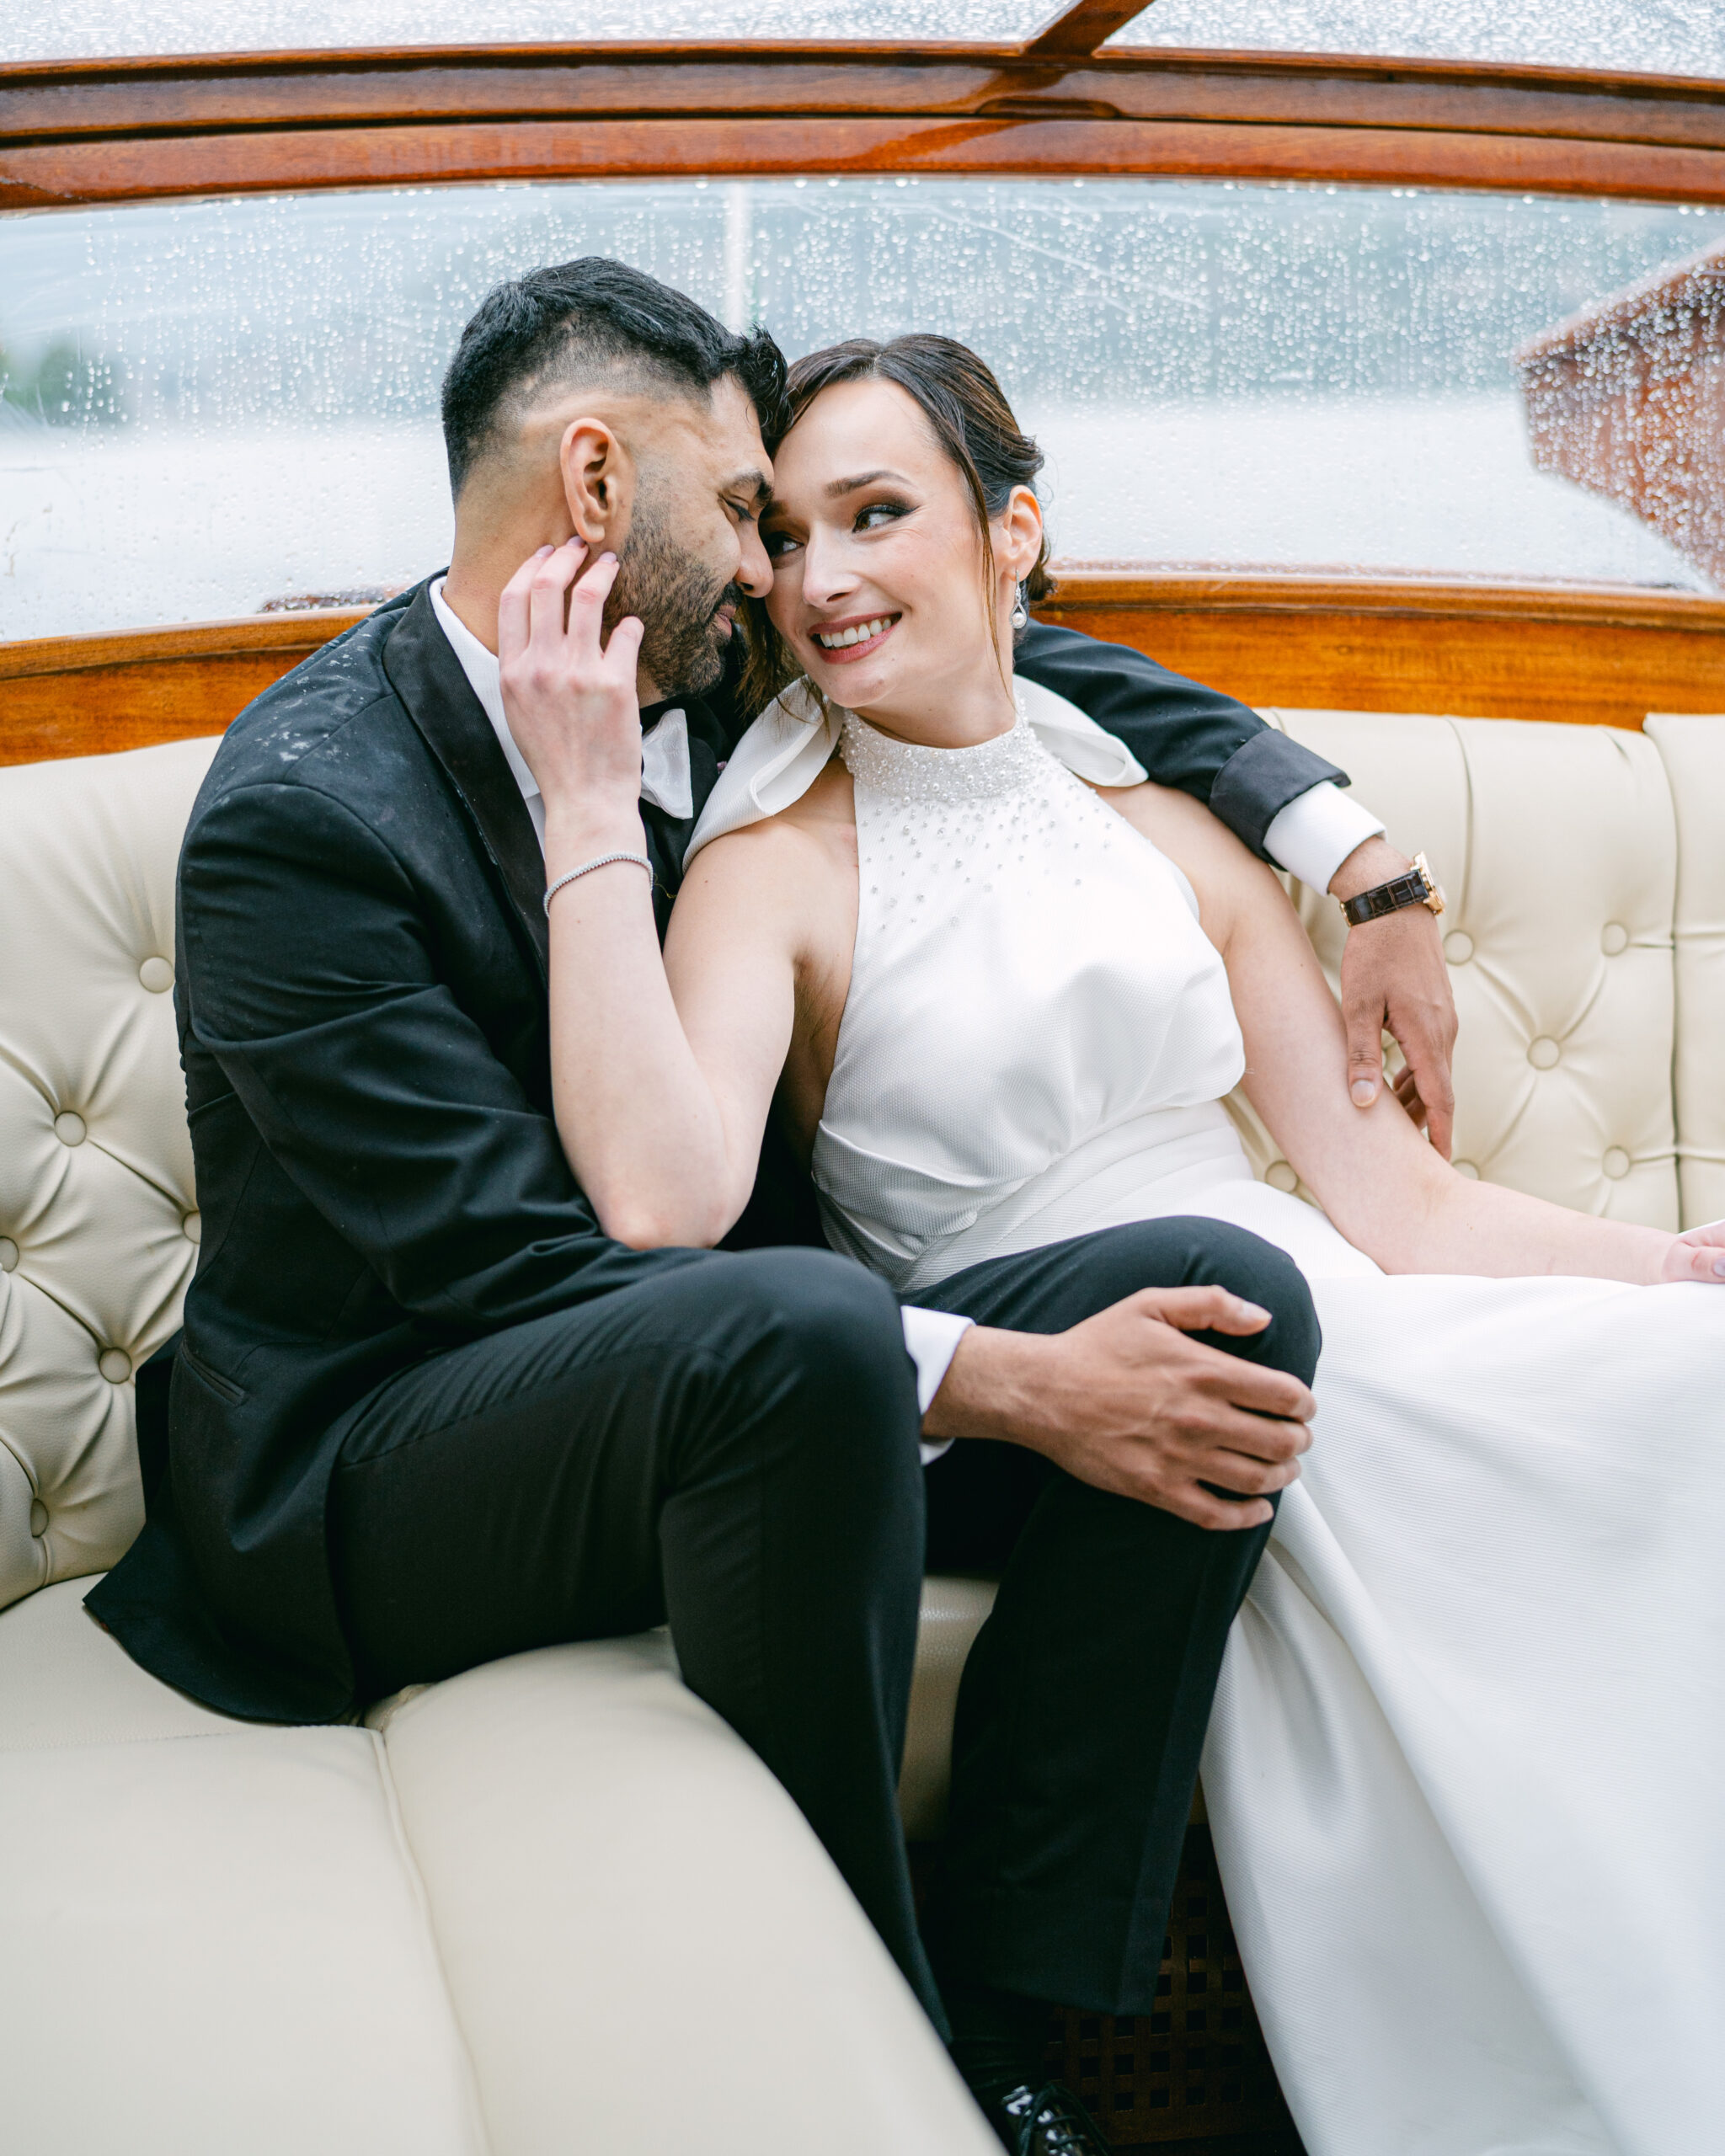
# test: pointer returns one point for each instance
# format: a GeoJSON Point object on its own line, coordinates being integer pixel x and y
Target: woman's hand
{"type": "Point", "coordinates": [570, 702]}
{"type": "Point", "coordinates": [1698, 1254]}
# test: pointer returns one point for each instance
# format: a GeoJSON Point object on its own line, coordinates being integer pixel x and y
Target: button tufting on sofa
{"type": "Point", "coordinates": [569, 1950]}
{"type": "Point", "coordinates": [1544, 1054]}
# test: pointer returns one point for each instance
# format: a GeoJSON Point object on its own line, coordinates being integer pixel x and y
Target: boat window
{"type": "Point", "coordinates": [96, 29]}
{"type": "Point", "coordinates": [1652, 37]}
{"type": "Point", "coordinates": [212, 406]}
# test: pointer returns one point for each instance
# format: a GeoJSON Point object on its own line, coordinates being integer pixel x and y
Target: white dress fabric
{"type": "Point", "coordinates": [1466, 1768]}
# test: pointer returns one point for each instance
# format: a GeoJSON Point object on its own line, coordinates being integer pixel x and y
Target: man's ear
{"type": "Point", "coordinates": [598, 483]}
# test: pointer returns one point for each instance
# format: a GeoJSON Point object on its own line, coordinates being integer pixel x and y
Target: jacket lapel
{"type": "Point", "coordinates": [427, 678]}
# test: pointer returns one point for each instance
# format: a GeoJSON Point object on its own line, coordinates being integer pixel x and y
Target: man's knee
{"type": "Point", "coordinates": [1249, 1267]}
{"type": "Point", "coordinates": [830, 1337]}
{"type": "Point", "coordinates": [1189, 1250]}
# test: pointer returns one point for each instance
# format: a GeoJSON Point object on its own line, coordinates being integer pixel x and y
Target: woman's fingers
{"type": "Point", "coordinates": [587, 608]}
{"type": "Point", "coordinates": [512, 614]}
{"type": "Point", "coordinates": [622, 654]}
{"type": "Point", "coordinates": [552, 574]}
{"type": "Point", "coordinates": [1698, 1254]}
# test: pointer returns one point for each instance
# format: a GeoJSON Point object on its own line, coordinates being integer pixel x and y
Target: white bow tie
{"type": "Point", "coordinates": [666, 778]}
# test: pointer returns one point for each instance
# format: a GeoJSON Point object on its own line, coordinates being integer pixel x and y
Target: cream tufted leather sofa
{"type": "Point", "coordinates": [554, 1902]}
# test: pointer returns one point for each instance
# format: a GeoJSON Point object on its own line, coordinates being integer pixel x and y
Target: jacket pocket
{"type": "Point", "coordinates": [211, 1381]}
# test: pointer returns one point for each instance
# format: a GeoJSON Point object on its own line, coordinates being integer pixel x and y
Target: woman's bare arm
{"type": "Point", "coordinates": [1388, 1191]}
{"type": "Point", "coordinates": [643, 1130]}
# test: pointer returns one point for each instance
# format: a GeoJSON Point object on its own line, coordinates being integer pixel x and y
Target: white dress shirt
{"type": "Point", "coordinates": [1317, 830]}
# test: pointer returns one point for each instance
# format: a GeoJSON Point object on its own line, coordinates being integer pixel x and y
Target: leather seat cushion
{"type": "Point", "coordinates": [230, 1915]}
{"type": "Point", "coordinates": [556, 1894]}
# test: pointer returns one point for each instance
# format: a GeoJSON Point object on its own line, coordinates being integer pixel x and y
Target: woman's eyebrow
{"type": "Point", "coordinates": [835, 488]}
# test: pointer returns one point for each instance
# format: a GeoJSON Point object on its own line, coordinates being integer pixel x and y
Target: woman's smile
{"type": "Point", "coordinates": [843, 642]}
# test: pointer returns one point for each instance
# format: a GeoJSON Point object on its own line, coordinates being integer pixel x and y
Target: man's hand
{"type": "Point", "coordinates": [1126, 1402]}
{"type": "Point", "coordinates": [1394, 980]}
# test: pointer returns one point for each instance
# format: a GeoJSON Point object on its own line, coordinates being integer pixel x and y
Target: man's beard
{"type": "Point", "coordinates": [677, 599]}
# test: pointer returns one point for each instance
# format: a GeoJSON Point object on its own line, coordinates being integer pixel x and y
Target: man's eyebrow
{"type": "Point", "coordinates": [835, 488]}
{"type": "Point", "coordinates": [753, 485]}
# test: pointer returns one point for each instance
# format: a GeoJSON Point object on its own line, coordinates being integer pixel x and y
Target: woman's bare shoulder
{"type": "Point", "coordinates": [1224, 873]}
{"type": "Point", "coordinates": [1176, 823]}
{"type": "Point", "coordinates": [810, 842]}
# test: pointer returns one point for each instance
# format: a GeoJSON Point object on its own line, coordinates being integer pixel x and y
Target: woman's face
{"type": "Point", "coordinates": [878, 566]}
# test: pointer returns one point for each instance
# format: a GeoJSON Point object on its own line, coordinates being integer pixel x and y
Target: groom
{"type": "Point", "coordinates": [425, 1413]}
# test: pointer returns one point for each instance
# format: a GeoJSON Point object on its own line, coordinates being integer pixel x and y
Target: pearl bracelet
{"type": "Point", "coordinates": [587, 867]}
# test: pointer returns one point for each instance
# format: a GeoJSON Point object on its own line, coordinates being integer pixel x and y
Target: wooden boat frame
{"type": "Point", "coordinates": [75, 135]}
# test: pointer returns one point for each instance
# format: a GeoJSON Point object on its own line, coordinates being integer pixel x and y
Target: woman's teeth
{"type": "Point", "coordinates": [861, 634]}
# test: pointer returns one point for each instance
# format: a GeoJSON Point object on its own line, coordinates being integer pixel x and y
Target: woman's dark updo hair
{"type": "Point", "coordinates": [972, 421]}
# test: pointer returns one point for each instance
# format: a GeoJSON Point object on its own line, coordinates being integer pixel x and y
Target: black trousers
{"type": "Point", "coordinates": [1083, 1707]}
{"type": "Point", "coordinates": [734, 1449]}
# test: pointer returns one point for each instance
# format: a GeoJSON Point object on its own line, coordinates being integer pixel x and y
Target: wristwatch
{"type": "Point", "coordinates": [1418, 888]}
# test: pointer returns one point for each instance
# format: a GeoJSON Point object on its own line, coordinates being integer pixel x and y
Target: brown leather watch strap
{"type": "Point", "coordinates": [1417, 888]}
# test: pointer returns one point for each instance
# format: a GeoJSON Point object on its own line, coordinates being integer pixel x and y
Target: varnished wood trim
{"type": "Point", "coordinates": [251, 635]}
{"type": "Point", "coordinates": [1585, 655]}
{"type": "Point", "coordinates": [91, 696]}
{"type": "Point", "coordinates": [63, 173]}
{"type": "Point", "coordinates": [1140, 588]}
{"type": "Point", "coordinates": [180, 96]}
{"type": "Point", "coordinates": [1588, 654]}
{"type": "Point", "coordinates": [1078, 29]}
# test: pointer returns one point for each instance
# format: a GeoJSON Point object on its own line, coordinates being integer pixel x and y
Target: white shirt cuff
{"type": "Point", "coordinates": [1317, 830]}
{"type": "Point", "coordinates": [931, 1339]}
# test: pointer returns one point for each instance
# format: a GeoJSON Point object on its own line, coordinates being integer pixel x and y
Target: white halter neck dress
{"type": "Point", "coordinates": [1466, 1766]}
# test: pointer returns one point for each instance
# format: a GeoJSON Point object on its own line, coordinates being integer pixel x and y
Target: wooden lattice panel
{"type": "Point", "coordinates": [1196, 2068]}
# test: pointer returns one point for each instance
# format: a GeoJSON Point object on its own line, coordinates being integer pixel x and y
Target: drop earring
{"type": "Point", "coordinates": [1021, 611]}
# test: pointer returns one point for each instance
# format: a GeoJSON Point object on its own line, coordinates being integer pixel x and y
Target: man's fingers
{"type": "Point", "coordinates": [1365, 1021]}
{"type": "Point", "coordinates": [1260, 1432]}
{"type": "Point", "coordinates": [1237, 1473]}
{"type": "Point", "coordinates": [1217, 1513]}
{"type": "Point", "coordinates": [1431, 1075]}
{"type": "Point", "coordinates": [1203, 1309]}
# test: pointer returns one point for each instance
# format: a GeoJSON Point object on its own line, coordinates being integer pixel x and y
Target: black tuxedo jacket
{"type": "Point", "coordinates": [361, 989]}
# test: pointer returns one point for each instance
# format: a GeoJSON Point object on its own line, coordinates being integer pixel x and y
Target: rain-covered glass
{"type": "Point", "coordinates": [211, 406]}
{"type": "Point", "coordinates": [97, 30]}
{"type": "Point", "coordinates": [1642, 37]}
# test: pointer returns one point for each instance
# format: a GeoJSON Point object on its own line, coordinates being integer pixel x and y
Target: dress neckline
{"type": "Point", "coordinates": [914, 771]}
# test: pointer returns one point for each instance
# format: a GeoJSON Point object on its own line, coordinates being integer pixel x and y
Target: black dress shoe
{"type": "Point", "coordinates": [1045, 2121]}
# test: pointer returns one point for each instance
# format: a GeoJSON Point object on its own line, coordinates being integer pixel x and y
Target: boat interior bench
{"type": "Point", "coordinates": [555, 1902]}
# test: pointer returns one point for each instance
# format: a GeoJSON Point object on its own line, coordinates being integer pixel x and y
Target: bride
{"type": "Point", "coordinates": [1463, 1765]}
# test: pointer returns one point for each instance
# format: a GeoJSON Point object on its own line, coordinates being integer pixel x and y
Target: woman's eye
{"type": "Point", "coordinates": [778, 544]}
{"type": "Point", "coordinates": [881, 513]}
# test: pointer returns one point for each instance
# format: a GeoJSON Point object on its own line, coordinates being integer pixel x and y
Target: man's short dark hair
{"type": "Point", "coordinates": [590, 321]}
